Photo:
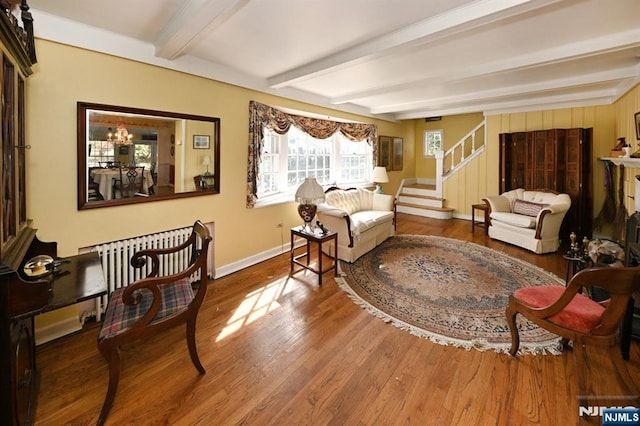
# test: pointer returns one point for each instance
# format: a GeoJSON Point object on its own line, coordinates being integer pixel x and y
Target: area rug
{"type": "Point", "coordinates": [449, 291]}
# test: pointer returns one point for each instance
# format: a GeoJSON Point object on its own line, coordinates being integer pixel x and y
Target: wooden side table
{"type": "Point", "coordinates": [484, 208]}
{"type": "Point", "coordinates": [316, 238]}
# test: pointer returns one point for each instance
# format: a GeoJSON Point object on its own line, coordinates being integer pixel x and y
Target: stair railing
{"type": "Point", "coordinates": [453, 159]}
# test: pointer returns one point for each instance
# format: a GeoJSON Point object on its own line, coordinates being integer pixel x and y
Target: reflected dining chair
{"type": "Point", "coordinates": [566, 312]}
{"type": "Point", "coordinates": [154, 304]}
{"type": "Point", "coordinates": [130, 183]}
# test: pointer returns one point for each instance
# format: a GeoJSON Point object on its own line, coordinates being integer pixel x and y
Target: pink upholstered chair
{"type": "Point", "coordinates": [573, 316]}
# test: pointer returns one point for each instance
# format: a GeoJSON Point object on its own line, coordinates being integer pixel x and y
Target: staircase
{"type": "Point", "coordinates": [418, 197]}
{"type": "Point", "coordinates": [422, 196]}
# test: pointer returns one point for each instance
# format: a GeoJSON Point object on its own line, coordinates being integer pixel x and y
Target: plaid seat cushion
{"type": "Point", "coordinates": [119, 316]}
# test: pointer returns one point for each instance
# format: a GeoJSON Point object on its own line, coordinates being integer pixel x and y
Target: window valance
{"type": "Point", "coordinates": [261, 116]}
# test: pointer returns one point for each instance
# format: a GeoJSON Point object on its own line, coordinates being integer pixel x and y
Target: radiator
{"type": "Point", "coordinates": [118, 272]}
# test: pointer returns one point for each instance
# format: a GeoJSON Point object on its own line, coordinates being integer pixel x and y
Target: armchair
{"type": "Point", "coordinates": [574, 317]}
{"type": "Point", "coordinates": [362, 219]}
{"type": "Point", "coordinates": [529, 219]}
{"type": "Point", "coordinates": [154, 304]}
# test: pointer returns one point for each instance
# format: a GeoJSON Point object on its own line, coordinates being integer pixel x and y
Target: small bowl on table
{"type": "Point", "coordinates": [38, 266]}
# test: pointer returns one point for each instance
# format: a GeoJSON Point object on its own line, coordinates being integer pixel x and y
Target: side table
{"type": "Point", "coordinates": [484, 224]}
{"type": "Point", "coordinates": [319, 238]}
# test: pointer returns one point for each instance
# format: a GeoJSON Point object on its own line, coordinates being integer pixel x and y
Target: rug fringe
{"type": "Point", "coordinates": [552, 347]}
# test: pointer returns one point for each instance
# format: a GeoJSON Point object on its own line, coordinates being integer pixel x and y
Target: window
{"type": "Point", "coordinates": [145, 153]}
{"type": "Point", "coordinates": [288, 159]}
{"type": "Point", "coordinates": [100, 152]}
{"type": "Point", "coordinates": [286, 147]}
{"type": "Point", "coordinates": [432, 142]}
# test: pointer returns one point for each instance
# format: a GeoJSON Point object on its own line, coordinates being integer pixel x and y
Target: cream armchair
{"type": "Point", "coordinates": [528, 219]}
{"type": "Point", "coordinates": [361, 218]}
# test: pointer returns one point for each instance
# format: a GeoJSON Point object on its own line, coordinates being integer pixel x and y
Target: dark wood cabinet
{"type": "Point", "coordinates": [18, 381]}
{"type": "Point", "coordinates": [556, 159]}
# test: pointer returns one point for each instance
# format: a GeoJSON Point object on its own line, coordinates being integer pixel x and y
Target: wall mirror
{"type": "Point", "coordinates": [131, 155]}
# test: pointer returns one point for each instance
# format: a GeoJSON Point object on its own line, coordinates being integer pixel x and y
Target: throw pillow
{"type": "Point", "coordinates": [527, 208]}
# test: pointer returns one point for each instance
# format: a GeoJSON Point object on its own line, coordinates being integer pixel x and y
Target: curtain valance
{"type": "Point", "coordinates": [261, 116]}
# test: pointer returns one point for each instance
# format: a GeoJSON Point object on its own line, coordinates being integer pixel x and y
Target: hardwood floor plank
{"type": "Point", "coordinates": [282, 350]}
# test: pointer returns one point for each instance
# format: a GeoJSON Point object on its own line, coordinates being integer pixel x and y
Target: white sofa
{"type": "Point", "coordinates": [361, 218]}
{"type": "Point", "coordinates": [528, 219]}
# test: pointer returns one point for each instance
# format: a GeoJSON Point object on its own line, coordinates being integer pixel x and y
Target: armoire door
{"type": "Point", "coordinates": [578, 181]}
{"type": "Point", "coordinates": [556, 159]}
{"type": "Point", "coordinates": [515, 161]}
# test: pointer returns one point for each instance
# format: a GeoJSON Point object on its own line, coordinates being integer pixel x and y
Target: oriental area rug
{"type": "Point", "coordinates": [449, 291]}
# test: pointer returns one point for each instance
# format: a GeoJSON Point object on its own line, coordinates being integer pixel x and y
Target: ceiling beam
{"type": "Point", "coordinates": [574, 51]}
{"type": "Point", "coordinates": [594, 97]}
{"type": "Point", "coordinates": [463, 18]}
{"type": "Point", "coordinates": [514, 90]}
{"type": "Point", "coordinates": [194, 21]}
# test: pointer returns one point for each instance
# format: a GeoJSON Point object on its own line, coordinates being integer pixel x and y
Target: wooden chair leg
{"type": "Point", "coordinates": [620, 370]}
{"type": "Point", "coordinates": [191, 343]}
{"type": "Point", "coordinates": [579, 361]}
{"type": "Point", "coordinates": [112, 356]}
{"type": "Point", "coordinates": [515, 335]}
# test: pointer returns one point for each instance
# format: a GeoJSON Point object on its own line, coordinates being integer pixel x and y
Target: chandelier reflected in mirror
{"type": "Point", "coordinates": [121, 136]}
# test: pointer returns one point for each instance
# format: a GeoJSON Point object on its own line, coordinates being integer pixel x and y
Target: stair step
{"type": "Point", "coordinates": [426, 186]}
{"type": "Point", "coordinates": [422, 197]}
{"type": "Point", "coordinates": [420, 206]}
{"type": "Point", "coordinates": [442, 213]}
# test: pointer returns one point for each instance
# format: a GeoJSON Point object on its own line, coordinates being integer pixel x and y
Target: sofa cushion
{"type": "Point", "coordinates": [366, 219]}
{"type": "Point", "coordinates": [349, 201]}
{"type": "Point", "coordinates": [527, 208]}
{"type": "Point", "coordinates": [514, 219]}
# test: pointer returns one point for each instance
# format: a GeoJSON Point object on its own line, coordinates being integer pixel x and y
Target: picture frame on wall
{"type": "Point", "coordinates": [384, 152]}
{"type": "Point", "coordinates": [201, 141]}
{"type": "Point", "coordinates": [123, 150]}
{"type": "Point", "coordinates": [397, 154]}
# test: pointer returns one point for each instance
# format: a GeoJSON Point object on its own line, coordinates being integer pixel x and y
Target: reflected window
{"type": "Point", "coordinates": [100, 153]}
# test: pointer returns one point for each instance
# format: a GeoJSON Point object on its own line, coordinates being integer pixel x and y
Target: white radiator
{"type": "Point", "coordinates": [118, 272]}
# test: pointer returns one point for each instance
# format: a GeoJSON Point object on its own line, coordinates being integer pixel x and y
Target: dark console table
{"type": "Point", "coordinates": [21, 299]}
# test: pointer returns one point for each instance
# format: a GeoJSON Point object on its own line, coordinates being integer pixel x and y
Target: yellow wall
{"type": "Point", "coordinates": [480, 177]}
{"type": "Point", "coordinates": [454, 128]}
{"type": "Point", "coordinates": [65, 75]}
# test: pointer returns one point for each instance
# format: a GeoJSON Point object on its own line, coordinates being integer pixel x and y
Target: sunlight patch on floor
{"type": "Point", "coordinates": [256, 304]}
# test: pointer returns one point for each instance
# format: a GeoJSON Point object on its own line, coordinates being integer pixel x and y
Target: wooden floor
{"type": "Point", "coordinates": [284, 351]}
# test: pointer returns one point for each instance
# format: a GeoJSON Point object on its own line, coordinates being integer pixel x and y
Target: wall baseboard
{"type": "Point", "coordinates": [253, 260]}
{"type": "Point", "coordinates": [72, 324]}
{"type": "Point", "coordinates": [57, 329]}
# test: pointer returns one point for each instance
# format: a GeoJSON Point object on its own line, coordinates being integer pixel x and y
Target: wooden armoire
{"type": "Point", "coordinates": [557, 159]}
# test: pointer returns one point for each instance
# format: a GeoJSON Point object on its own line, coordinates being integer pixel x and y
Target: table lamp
{"type": "Point", "coordinates": [309, 194]}
{"type": "Point", "coordinates": [379, 176]}
{"type": "Point", "coordinates": [205, 162]}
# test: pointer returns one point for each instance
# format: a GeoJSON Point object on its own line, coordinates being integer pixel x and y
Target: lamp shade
{"type": "Point", "coordinates": [379, 175]}
{"type": "Point", "coordinates": [310, 192]}
{"type": "Point", "coordinates": [206, 160]}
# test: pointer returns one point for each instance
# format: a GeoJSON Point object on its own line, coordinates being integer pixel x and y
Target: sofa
{"type": "Point", "coordinates": [362, 219]}
{"type": "Point", "coordinates": [530, 219]}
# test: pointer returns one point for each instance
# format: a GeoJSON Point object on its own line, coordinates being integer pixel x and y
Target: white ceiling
{"type": "Point", "coordinates": [393, 59]}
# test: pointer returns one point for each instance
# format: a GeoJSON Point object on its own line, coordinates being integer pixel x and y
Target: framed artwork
{"type": "Point", "coordinates": [384, 152]}
{"type": "Point", "coordinates": [396, 160]}
{"type": "Point", "coordinates": [123, 150]}
{"type": "Point", "coordinates": [637, 116]}
{"type": "Point", "coordinates": [201, 141]}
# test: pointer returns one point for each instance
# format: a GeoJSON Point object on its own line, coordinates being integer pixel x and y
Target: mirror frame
{"type": "Point", "coordinates": [84, 107]}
